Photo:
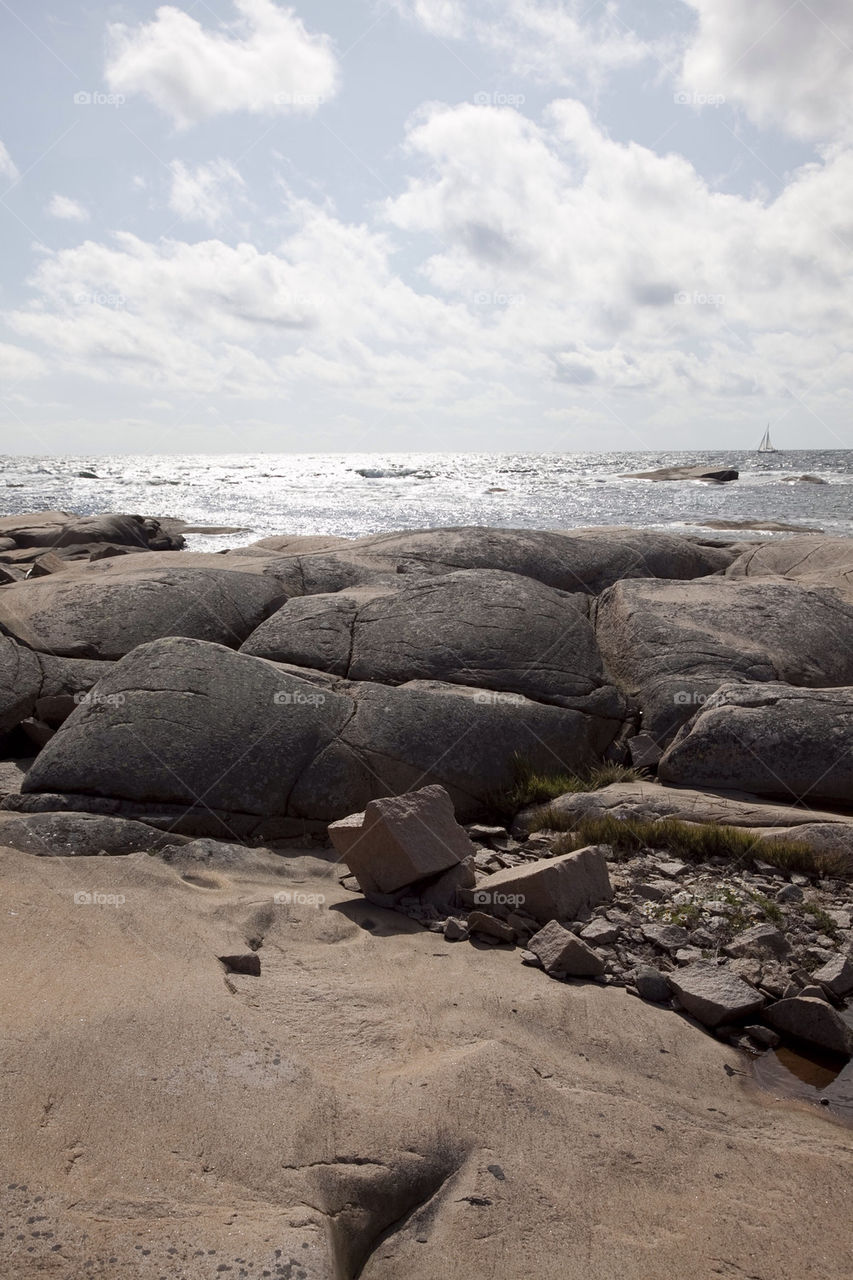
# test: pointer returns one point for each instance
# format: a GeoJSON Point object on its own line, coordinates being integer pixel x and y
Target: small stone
{"type": "Point", "coordinates": [764, 1036]}
{"type": "Point", "coordinates": [666, 936]}
{"type": "Point", "coordinates": [813, 992]}
{"type": "Point", "coordinates": [600, 933]}
{"type": "Point", "coordinates": [485, 925]}
{"type": "Point", "coordinates": [531, 958]}
{"type": "Point", "coordinates": [800, 880]}
{"type": "Point", "coordinates": [649, 892]}
{"type": "Point", "coordinates": [455, 930]}
{"type": "Point", "coordinates": [790, 893]}
{"type": "Point", "coordinates": [651, 984]}
{"type": "Point", "coordinates": [671, 868]}
{"type": "Point", "coordinates": [247, 962]}
{"type": "Point", "coordinates": [714, 995]}
{"type": "Point", "coordinates": [687, 955]}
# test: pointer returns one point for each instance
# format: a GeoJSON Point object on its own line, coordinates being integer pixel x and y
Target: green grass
{"type": "Point", "coordinates": [530, 786]}
{"type": "Point", "coordinates": [772, 910]}
{"type": "Point", "coordinates": [825, 923]}
{"type": "Point", "coordinates": [693, 842]}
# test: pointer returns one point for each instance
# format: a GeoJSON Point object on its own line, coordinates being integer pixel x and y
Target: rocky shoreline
{"type": "Point", "coordinates": [150, 694]}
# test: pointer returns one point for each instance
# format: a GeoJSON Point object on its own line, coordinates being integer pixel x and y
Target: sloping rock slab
{"type": "Point", "coordinates": [586, 560]}
{"type": "Point", "coordinates": [672, 644]}
{"type": "Point", "coordinates": [817, 559]}
{"type": "Point", "coordinates": [59, 529]}
{"type": "Point", "coordinates": [477, 627]}
{"type": "Point", "coordinates": [653, 800]}
{"type": "Point", "coordinates": [772, 739]}
{"type": "Point", "coordinates": [107, 615]}
{"type": "Point", "coordinates": [191, 735]}
{"type": "Point", "coordinates": [714, 995]}
{"type": "Point", "coordinates": [64, 835]}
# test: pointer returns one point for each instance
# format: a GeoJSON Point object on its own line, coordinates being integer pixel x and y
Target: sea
{"type": "Point", "coordinates": [350, 495]}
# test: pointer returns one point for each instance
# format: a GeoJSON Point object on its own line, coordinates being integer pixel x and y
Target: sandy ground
{"type": "Point", "coordinates": [378, 1103]}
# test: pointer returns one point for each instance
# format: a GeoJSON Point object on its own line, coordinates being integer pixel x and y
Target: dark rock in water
{"type": "Point", "coordinates": [87, 475]}
{"type": "Point", "coordinates": [161, 723]}
{"type": "Point", "coordinates": [718, 474]}
{"type": "Point", "coordinates": [813, 1020]}
{"type": "Point", "coordinates": [672, 644]}
{"type": "Point", "coordinates": [770, 739]}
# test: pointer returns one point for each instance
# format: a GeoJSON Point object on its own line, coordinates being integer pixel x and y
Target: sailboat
{"type": "Point", "coordinates": [767, 445]}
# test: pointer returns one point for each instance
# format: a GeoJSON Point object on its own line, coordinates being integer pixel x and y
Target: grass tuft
{"type": "Point", "coordinates": [530, 786]}
{"type": "Point", "coordinates": [695, 842]}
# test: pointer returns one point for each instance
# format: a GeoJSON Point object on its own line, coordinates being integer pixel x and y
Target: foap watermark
{"type": "Point", "coordinates": [690, 698]}
{"type": "Point", "coordinates": [296, 898]}
{"type": "Point", "coordinates": [684, 298]}
{"type": "Point", "coordinates": [82, 898]}
{"type": "Point", "coordinates": [484, 298]}
{"type": "Point", "coordinates": [295, 698]}
{"type": "Point", "coordinates": [97, 98]}
{"type": "Point", "coordinates": [299, 100]}
{"type": "Point", "coordinates": [94, 699]}
{"type": "Point", "coordinates": [100, 298]}
{"type": "Point", "coordinates": [684, 98]}
{"type": "Point", "coordinates": [493, 898]}
{"type": "Point", "coordinates": [499, 99]}
{"type": "Point", "coordinates": [494, 698]}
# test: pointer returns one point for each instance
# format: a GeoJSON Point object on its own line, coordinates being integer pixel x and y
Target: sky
{"type": "Point", "coordinates": [416, 225]}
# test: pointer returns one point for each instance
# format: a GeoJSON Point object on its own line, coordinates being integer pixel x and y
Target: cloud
{"type": "Point", "coordinates": [7, 166]}
{"type": "Point", "coordinates": [17, 363]}
{"type": "Point", "coordinates": [567, 43]}
{"type": "Point", "coordinates": [64, 207]}
{"type": "Point", "coordinates": [264, 62]}
{"type": "Point", "coordinates": [557, 268]}
{"type": "Point", "coordinates": [789, 64]}
{"type": "Point", "coordinates": [206, 193]}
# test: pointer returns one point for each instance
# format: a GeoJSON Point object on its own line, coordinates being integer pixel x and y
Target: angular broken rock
{"type": "Point", "coordinates": [482, 922]}
{"type": "Point", "coordinates": [815, 1021]}
{"type": "Point", "coordinates": [600, 933]}
{"type": "Point", "coordinates": [562, 954]}
{"type": "Point", "coordinates": [404, 839]}
{"type": "Point", "coordinates": [713, 995]}
{"type": "Point", "coordinates": [666, 936]}
{"type": "Point", "coordinates": [836, 976]}
{"type": "Point", "coordinates": [761, 939]}
{"type": "Point", "coordinates": [550, 888]}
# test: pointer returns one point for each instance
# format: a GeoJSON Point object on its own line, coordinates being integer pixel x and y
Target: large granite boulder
{"type": "Point", "coordinates": [105, 615]}
{"type": "Point", "coordinates": [28, 678]}
{"type": "Point", "coordinates": [673, 643]}
{"type": "Point", "coordinates": [191, 735]}
{"type": "Point", "coordinates": [714, 995]}
{"type": "Point", "coordinates": [771, 739]}
{"type": "Point", "coordinates": [586, 560]}
{"type": "Point", "coordinates": [812, 1020]}
{"type": "Point", "coordinates": [478, 627]}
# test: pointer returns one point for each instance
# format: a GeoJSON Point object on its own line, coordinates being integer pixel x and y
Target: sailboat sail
{"type": "Point", "coordinates": [766, 445]}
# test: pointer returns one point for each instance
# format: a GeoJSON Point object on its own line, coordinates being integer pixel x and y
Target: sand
{"type": "Point", "coordinates": [378, 1103]}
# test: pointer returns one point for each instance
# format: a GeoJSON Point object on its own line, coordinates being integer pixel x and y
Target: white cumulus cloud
{"type": "Point", "coordinates": [207, 193]}
{"type": "Point", "coordinates": [64, 207]}
{"type": "Point", "coordinates": [266, 61]}
{"type": "Point", "coordinates": [789, 63]}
